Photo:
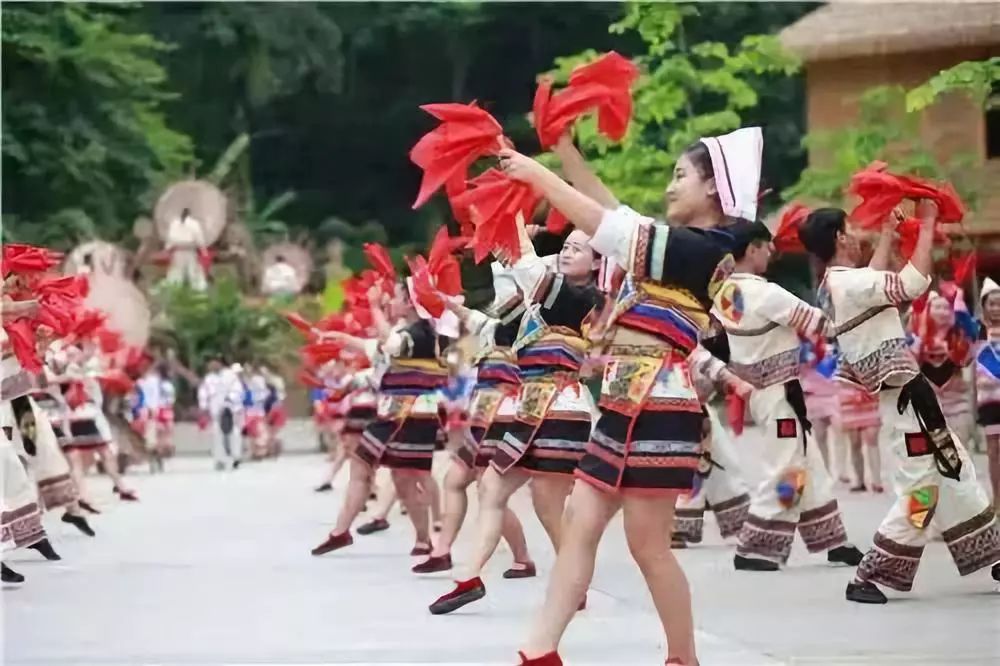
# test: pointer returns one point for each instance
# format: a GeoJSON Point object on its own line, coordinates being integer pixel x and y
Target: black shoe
{"type": "Point", "coordinates": [373, 526]}
{"type": "Point", "coordinates": [88, 507]}
{"type": "Point", "coordinates": [8, 575]}
{"type": "Point", "coordinates": [324, 488]}
{"type": "Point", "coordinates": [845, 555]}
{"type": "Point", "coordinates": [865, 593]}
{"type": "Point", "coordinates": [79, 522]}
{"type": "Point", "coordinates": [236, 464]}
{"type": "Point", "coordinates": [46, 550]}
{"type": "Point", "coordinates": [752, 564]}
{"type": "Point", "coordinates": [995, 572]}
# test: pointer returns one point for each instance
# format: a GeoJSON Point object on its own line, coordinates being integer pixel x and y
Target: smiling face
{"type": "Point", "coordinates": [940, 312]}
{"type": "Point", "coordinates": [991, 308]}
{"type": "Point", "coordinates": [691, 194]}
{"type": "Point", "coordinates": [576, 259]}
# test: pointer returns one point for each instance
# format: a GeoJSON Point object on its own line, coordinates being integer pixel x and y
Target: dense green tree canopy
{"type": "Point", "coordinates": [105, 103]}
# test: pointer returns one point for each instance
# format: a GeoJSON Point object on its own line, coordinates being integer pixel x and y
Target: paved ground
{"type": "Point", "coordinates": [213, 568]}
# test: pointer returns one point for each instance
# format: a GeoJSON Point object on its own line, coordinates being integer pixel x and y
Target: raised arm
{"type": "Point", "coordinates": [927, 211]}
{"type": "Point", "coordinates": [887, 236]}
{"type": "Point", "coordinates": [575, 169]}
{"type": "Point", "coordinates": [583, 211]}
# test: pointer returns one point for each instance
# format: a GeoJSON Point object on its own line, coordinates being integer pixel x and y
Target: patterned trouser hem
{"type": "Point", "coordinates": [689, 524]}
{"type": "Point", "coordinates": [890, 563]}
{"type": "Point", "coordinates": [731, 514]}
{"type": "Point", "coordinates": [975, 543]}
{"type": "Point", "coordinates": [766, 539]}
{"type": "Point", "coordinates": [822, 528]}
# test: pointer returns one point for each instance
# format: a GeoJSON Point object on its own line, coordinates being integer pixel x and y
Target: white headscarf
{"type": "Point", "coordinates": [989, 286]}
{"type": "Point", "coordinates": [736, 164]}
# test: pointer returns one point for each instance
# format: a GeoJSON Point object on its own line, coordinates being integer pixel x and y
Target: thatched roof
{"type": "Point", "coordinates": [857, 28]}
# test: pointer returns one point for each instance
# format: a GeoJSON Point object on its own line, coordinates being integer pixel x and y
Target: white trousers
{"type": "Point", "coordinates": [723, 491]}
{"type": "Point", "coordinates": [184, 267]}
{"type": "Point", "coordinates": [227, 449]}
{"type": "Point", "coordinates": [796, 491]}
{"type": "Point", "coordinates": [959, 509]}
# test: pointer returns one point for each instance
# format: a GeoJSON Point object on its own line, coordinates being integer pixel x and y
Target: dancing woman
{"type": "Point", "coordinates": [554, 413]}
{"type": "Point", "coordinates": [646, 446]}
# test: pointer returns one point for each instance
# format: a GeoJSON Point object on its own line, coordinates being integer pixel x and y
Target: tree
{"type": "Point", "coordinates": [883, 130]}
{"type": "Point", "coordinates": [686, 91]}
{"type": "Point", "coordinates": [976, 78]}
{"type": "Point", "coordinates": [86, 143]}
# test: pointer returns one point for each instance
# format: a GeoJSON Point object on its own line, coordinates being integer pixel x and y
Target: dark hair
{"type": "Point", "coordinates": [698, 153]}
{"type": "Point", "coordinates": [279, 257]}
{"type": "Point", "coordinates": [185, 213]}
{"type": "Point", "coordinates": [746, 235]}
{"type": "Point", "coordinates": [819, 232]}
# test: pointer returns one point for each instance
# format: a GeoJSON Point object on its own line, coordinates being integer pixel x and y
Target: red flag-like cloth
{"type": "Point", "coordinates": [881, 191]}
{"type": "Point", "coordinates": [378, 257]}
{"type": "Point", "coordinates": [445, 154]}
{"type": "Point", "coordinates": [495, 202]}
{"type": "Point", "coordinates": [23, 343]}
{"type": "Point", "coordinates": [786, 237]}
{"type": "Point", "coordinates": [442, 263]}
{"type": "Point", "coordinates": [23, 259]}
{"type": "Point", "coordinates": [909, 230]}
{"type": "Point", "coordinates": [424, 292]}
{"type": "Point", "coordinates": [603, 85]}
{"type": "Point", "coordinates": [299, 322]}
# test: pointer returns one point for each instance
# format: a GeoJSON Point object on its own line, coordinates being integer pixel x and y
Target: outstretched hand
{"type": "Point", "coordinates": [521, 167]}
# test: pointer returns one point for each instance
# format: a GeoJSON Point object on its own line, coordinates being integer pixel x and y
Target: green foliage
{"type": "Point", "coordinates": [685, 92]}
{"type": "Point", "coordinates": [221, 321]}
{"type": "Point", "coordinates": [85, 138]}
{"type": "Point", "coordinates": [977, 78]}
{"type": "Point", "coordinates": [883, 131]}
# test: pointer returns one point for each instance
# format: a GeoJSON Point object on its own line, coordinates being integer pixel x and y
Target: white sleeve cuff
{"type": "Point", "coordinates": [613, 237]}
{"type": "Point", "coordinates": [914, 282]}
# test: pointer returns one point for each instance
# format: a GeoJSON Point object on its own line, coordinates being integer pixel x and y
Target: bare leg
{"type": "Point", "coordinates": [357, 493]}
{"type": "Point", "coordinates": [648, 525]}
{"type": "Point", "coordinates": [839, 447]}
{"type": "Point", "coordinates": [387, 500]}
{"type": "Point", "coordinates": [77, 467]}
{"type": "Point", "coordinates": [993, 456]}
{"type": "Point", "coordinates": [494, 493]}
{"type": "Point", "coordinates": [574, 567]}
{"type": "Point", "coordinates": [408, 488]}
{"type": "Point", "coordinates": [110, 464]}
{"type": "Point", "coordinates": [857, 458]}
{"type": "Point", "coordinates": [456, 504]}
{"type": "Point", "coordinates": [513, 534]}
{"type": "Point", "coordinates": [431, 491]}
{"type": "Point", "coordinates": [870, 438]}
{"type": "Point", "coordinates": [548, 495]}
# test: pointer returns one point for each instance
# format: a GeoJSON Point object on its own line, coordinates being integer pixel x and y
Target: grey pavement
{"type": "Point", "coordinates": [214, 568]}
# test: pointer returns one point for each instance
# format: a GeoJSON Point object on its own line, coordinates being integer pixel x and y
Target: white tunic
{"type": "Point", "coordinates": [861, 305]}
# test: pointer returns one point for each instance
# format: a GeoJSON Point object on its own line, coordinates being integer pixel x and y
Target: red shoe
{"type": "Point", "coordinates": [583, 604]}
{"type": "Point", "coordinates": [420, 550]}
{"type": "Point", "coordinates": [548, 659]}
{"type": "Point", "coordinates": [333, 542]}
{"type": "Point", "coordinates": [527, 571]}
{"type": "Point", "coordinates": [877, 489]}
{"type": "Point", "coordinates": [373, 526]}
{"type": "Point", "coordinates": [433, 565]}
{"type": "Point", "coordinates": [465, 592]}
{"type": "Point", "coordinates": [126, 495]}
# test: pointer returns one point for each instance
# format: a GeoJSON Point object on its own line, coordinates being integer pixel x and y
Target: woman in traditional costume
{"type": "Point", "coordinates": [646, 446]}
{"type": "Point", "coordinates": [945, 332]}
{"type": "Point", "coordinates": [859, 422]}
{"type": "Point", "coordinates": [404, 434]}
{"type": "Point", "coordinates": [552, 423]}
{"type": "Point", "coordinates": [988, 383]}
{"type": "Point", "coordinates": [822, 396]}
{"type": "Point", "coordinates": [493, 406]}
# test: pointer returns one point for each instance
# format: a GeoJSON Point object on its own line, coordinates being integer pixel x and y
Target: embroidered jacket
{"type": "Point", "coordinates": [764, 323]}
{"type": "Point", "coordinates": [861, 305]}
{"type": "Point", "coordinates": [988, 369]}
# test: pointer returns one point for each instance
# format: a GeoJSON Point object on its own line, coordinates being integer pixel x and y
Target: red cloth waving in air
{"type": "Point", "coordinates": [786, 236]}
{"type": "Point", "coordinates": [445, 154]}
{"type": "Point", "coordinates": [881, 191]}
{"type": "Point", "coordinates": [495, 201]}
{"type": "Point", "coordinates": [603, 85]}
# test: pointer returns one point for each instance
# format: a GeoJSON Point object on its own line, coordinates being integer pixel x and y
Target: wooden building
{"type": "Point", "coordinates": [848, 47]}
